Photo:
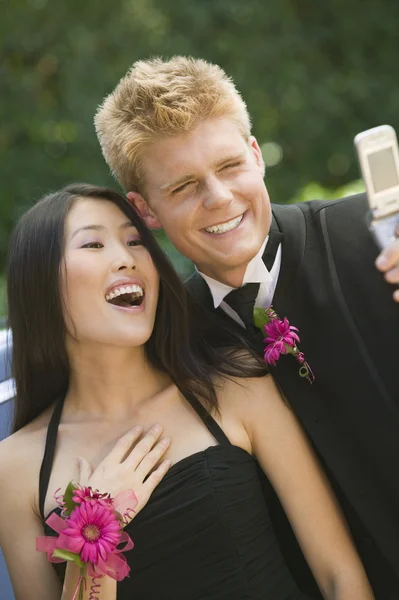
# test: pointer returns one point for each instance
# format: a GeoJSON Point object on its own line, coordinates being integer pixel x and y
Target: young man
{"type": "Point", "coordinates": [177, 136]}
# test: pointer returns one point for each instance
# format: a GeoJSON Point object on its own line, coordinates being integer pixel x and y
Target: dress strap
{"type": "Point", "coordinates": [208, 420]}
{"type": "Point", "coordinates": [49, 451]}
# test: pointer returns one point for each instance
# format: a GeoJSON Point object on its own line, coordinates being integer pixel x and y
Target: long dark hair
{"type": "Point", "coordinates": [190, 346]}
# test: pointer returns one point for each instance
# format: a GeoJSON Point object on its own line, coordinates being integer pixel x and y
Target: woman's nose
{"type": "Point", "coordinates": [124, 259]}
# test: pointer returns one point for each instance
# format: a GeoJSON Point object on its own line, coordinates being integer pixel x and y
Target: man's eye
{"type": "Point", "coordinates": [135, 243]}
{"type": "Point", "coordinates": [231, 165]}
{"type": "Point", "coordinates": [93, 245]}
{"type": "Point", "coordinates": [181, 188]}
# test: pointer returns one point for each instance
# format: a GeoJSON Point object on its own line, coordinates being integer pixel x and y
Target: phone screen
{"type": "Point", "coordinates": [383, 170]}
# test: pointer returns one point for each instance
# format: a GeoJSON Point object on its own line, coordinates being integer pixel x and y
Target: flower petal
{"type": "Point", "coordinates": [72, 544]}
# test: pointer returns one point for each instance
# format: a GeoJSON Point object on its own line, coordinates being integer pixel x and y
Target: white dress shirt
{"type": "Point", "coordinates": [256, 272]}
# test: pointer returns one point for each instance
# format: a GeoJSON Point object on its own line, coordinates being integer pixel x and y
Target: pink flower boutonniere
{"type": "Point", "coordinates": [281, 338]}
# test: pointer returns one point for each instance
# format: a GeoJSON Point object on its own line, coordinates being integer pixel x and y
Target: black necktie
{"type": "Point", "coordinates": [242, 299]}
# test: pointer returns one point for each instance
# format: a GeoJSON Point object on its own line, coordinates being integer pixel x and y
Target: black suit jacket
{"type": "Point", "coordinates": [349, 328]}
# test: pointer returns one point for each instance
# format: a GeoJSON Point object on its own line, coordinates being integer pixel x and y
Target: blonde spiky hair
{"type": "Point", "coordinates": [162, 98]}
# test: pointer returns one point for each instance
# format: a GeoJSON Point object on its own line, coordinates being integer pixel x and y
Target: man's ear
{"type": "Point", "coordinates": [257, 152]}
{"type": "Point", "coordinates": [144, 210]}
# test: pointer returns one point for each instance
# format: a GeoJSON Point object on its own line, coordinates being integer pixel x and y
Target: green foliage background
{"type": "Point", "coordinates": [313, 75]}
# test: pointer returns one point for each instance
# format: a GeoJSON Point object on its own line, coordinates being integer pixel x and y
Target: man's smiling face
{"type": "Point", "coordinates": [206, 189]}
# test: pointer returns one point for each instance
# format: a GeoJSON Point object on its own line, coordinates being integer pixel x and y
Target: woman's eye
{"type": "Point", "coordinates": [135, 243]}
{"type": "Point", "coordinates": [93, 245]}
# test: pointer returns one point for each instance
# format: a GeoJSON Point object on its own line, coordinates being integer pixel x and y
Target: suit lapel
{"type": "Point", "coordinates": [199, 289]}
{"type": "Point", "coordinates": [290, 220]}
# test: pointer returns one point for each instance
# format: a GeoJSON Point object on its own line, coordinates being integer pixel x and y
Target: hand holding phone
{"type": "Point", "coordinates": [378, 154]}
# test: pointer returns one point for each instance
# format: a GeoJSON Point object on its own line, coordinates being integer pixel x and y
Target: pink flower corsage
{"type": "Point", "coordinates": [90, 530]}
{"type": "Point", "coordinates": [281, 338]}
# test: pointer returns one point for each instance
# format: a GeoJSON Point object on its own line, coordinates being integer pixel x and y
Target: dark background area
{"type": "Point", "coordinates": [313, 75]}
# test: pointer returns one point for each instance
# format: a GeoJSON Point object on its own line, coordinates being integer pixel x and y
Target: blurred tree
{"type": "Point", "coordinates": [313, 75]}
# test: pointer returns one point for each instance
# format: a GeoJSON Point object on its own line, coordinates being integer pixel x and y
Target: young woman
{"type": "Point", "coordinates": [111, 362]}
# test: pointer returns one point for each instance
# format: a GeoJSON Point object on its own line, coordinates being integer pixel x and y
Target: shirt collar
{"type": "Point", "coordinates": [255, 272]}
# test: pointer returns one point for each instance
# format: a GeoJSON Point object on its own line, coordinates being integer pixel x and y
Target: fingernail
{"type": "Point", "coordinates": [138, 428]}
{"type": "Point", "coordinates": [165, 441]}
{"type": "Point", "coordinates": [396, 295]}
{"type": "Point", "coordinates": [381, 261]}
{"type": "Point", "coordinates": [157, 428]}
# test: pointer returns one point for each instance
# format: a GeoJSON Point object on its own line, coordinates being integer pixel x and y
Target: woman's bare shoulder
{"type": "Point", "coordinates": [242, 392]}
{"type": "Point", "coordinates": [21, 455]}
{"type": "Point", "coordinates": [241, 403]}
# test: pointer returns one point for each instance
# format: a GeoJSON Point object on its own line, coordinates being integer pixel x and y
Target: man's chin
{"type": "Point", "coordinates": [227, 269]}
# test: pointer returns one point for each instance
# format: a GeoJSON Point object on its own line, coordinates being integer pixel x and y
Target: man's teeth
{"type": "Point", "coordinates": [223, 227]}
{"type": "Point", "coordinates": [127, 289]}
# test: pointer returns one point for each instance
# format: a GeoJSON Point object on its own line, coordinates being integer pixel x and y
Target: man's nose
{"type": "Point", "coordinates": [217, 194]}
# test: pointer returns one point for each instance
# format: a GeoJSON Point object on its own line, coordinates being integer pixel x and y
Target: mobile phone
{"type": "Point", "coordinates": [378, 154]}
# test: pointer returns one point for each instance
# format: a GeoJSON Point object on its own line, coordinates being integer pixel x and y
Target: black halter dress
{"type": "Point", "coordinates": [205, 533]}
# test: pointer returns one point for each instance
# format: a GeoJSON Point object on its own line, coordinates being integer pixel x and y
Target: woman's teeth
{"type": "Point", "coordinates": [223, 227]}
{"type": "Point", "coordinates": [127, 289]}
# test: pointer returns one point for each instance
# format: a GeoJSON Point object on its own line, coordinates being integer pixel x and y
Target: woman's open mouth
{"type": "Point", "coordinates": [126, 296]}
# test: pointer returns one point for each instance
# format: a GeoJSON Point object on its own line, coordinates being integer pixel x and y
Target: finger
{"type": "Point", "coordinates": [123, 446]}
{"type": "Point", "coordinates": [143, 447]}
{"type": "Point", "coordinates": [392, 276]}
{"type": "Point", "coordinates": [85, 470]}
{"type": "Point", "coordinates": [152, 481]}
{"type": "Point", "coordinates": [389, 257]}
{"type": "Point", "coordinates": [396, 295]}
{"type": "Point", "coordinates": [151, 459]}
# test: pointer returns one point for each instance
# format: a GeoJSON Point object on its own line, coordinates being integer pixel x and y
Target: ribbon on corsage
{"type": "Point", "coordinates": [90, 529]}
{"type": "Point", "coordinates": [281, 338]}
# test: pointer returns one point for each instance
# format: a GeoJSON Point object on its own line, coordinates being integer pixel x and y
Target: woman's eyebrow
{"type": "Point", "coordinates": [125, 225]}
